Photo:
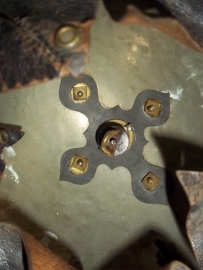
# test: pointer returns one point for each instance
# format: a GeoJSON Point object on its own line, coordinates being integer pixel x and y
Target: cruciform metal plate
{"type": "Point", "coordinates": [133, 158]}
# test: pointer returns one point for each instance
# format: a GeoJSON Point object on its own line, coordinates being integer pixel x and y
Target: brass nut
{"type": "Point", "coordinates": [79, 164]}
{"type": "Point", "coordinates": [109, 142]}
{"type": "Point", "coordinates": [150, 181]}
{"type": "Point", "coordinates": [3, 136]}
{"type": "Point", "coordinates": [153, 107]}
{"type": "Point", "coordinates": [115, 137]}
{"type": "Point", "coordinates": [67, 36]}
{"type": "Point", "coordinates": [80, 93]}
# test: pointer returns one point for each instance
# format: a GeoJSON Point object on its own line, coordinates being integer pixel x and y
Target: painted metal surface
{"type": "Point", "coordinates": [103, 222]}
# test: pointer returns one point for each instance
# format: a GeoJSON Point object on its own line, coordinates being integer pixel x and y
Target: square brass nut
{"type": "Point", "coordinates": [153, 107]}
{"type": "Point", "coordinates": [78, 164]}
{"type": "Point", "coordinates": [80, 93]}
{"type": "Point", "coordinates": [150, 181]}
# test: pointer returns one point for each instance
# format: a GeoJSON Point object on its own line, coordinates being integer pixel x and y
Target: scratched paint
{"type": "Point", "coordinates": [176, 95]}
{"type": "Point", "coordinates": [194, 66]}
{"type": "Point", "coordinates": [14, 175]}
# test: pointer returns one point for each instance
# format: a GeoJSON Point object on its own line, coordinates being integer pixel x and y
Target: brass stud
{"type": "Point", "coordinates": [80, 93]}
{"type": "Point", "coordinates": [67, 36]}
{"type": "Point", "coordinates": [150, 181]}
{"type": "Point", "coordinates": [3, 136]}
{"type": "Point", "coordinates": [109, 140]}
{"type": "Point", "coordinates": [78, 164]}
{"type": "Point", "coordinates": [153, 107]}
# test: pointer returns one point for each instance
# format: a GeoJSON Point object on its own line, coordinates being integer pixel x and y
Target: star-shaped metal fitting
{"type": "Point", "coordinates": [115, 137]}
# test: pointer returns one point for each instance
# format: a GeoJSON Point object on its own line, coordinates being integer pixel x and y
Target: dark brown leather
{"type": "Point", "coordinates": [21, 251]}
{"type": "Point", "coordinates": [28, 51]}
{"type": "Point", "coordinates": [183, 22]}
{"type": "Point", "coordinates": [189, 14]}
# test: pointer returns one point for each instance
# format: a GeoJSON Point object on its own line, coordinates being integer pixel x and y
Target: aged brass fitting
{"type": "Point", "coordinates": [150, 181]}
{"type": "Point", "coordinates": [67, 36]}
{"type": "Point", "coordinates": [115, 137]}
{"type": "Point", "coordinates": [80, 93]}
{"type": "Point", "coordinates": [153, 107]}
{"type": "Point", "coordinates": [3, 136]}
{"type": "Point", "coordinates": [78, 164]}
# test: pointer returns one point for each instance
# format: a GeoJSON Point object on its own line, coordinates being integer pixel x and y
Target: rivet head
{"type": "Point", "coordinates": [150, 181]}
{"type": "Point", "coordinates": [67, 36]}
{"type": "Point", "coordinates": [80, 93]}
{"type": "Point", "coordinates": [153, 107]}
{"type": "Point", "coordinates": [78, 164]}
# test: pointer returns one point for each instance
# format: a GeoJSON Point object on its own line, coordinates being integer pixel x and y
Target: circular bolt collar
{"type": "Point", "coordinates": [115, 142]}
{"type": "Point", "coordinates": [67, 36]}
{"type": "Point", "coordinates": [115, 137]}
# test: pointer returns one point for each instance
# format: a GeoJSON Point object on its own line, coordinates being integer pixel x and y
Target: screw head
{"type": "Point", "coordinates": [80, 163]}
{"type": "Point", "coordinates": [79, 93]}
{"type": "Point", "coordinates": [151, 108]}
{"type": "Point", "coordinates": [150, 180]}
{"type": "Point", "coordinates": [113, 141]}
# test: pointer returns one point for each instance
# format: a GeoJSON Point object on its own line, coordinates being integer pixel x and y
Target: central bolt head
{"type": "Point", "coordinates": [113, 141]}
{"type": "Point", "coordinates": [113, 138]}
